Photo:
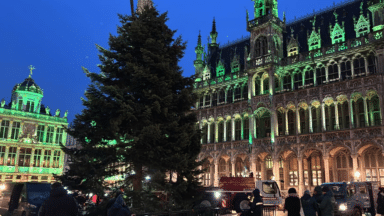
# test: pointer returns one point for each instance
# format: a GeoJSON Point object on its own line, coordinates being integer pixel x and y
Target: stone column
{"type": "Point", "coordinates": [233, 129]}
{"type": "Point", "coordinates": [201, 128]}
{"type": "Point", "coordinates": [32, 161]}
{"type": "Point", "coordinates": [251, 131]}
{"type": "Point", "coordinates": [210, 99]}
{"type": "Point", "coordinates": [51, 159]}
{"type": "Point", "coordinates": [203, 100]}
{"type": "Point", "coordinates": [366, 66]}
{"type": "Point", "coordinates": [42, 157]}
{"type": "Point", "coordinates": [216, 132]}
{"type": "Point", "coordinates": [298, 129]}
{"type": "Point", "coordinates": [326, 168]}
{"type": "Point", "coordinates": [226, 93]}
{"type": "Point", "coordinates": [242, 129]}
{"type": "Point", "coordinates": [323, 116]}
{"type": "Point", "coordinates": [366, 112]}
{"type": "Point", "coordinates": [301, 174]}
{"type": "Point", "coordinates": [286, 123]}
{"type": "Point", "coordinates": [339, 70]}
{"type": "Point", "coordinates": [310, 119]}
{"type": "Point", "coordinates": [17, 157]}
{"type": "Point", "coordinates": [350, 104]}
{"type": "Point", "coordinates": [225, 130]}
{"type": "Point", "coordinates": [216, 174]}
{"type": "Point", "coordinates": [354, 165]}
{"type": "Point", "coordinates": [208, 132]}
{"type": "Point", "coordinates": [352, 69]}
{"type": "Point", "coordinates": [45, 133]}
{"type": "Point", "coordinates": [326, 74]}
{"type": "Point", "coordinates": [337, 116]}
{"type": "Point", "coordinates": [262, 171]}
{"type": "Point", "coordinates": [6, 155]}
{"type": "Point", "coordinates": [254, 127]}
{"type": "Point", "coordinates": [253, 165]}
{"type": "Point", "coordinates": [233, 163]}
{"type": "Point", "coordinates": [10, 130]}
{"type": "Point", "coordinates": [276, 170]}
{"type": "Point", "coordinates": [370, 113]}
{"type": "Point", "coordinates": [54, 134]}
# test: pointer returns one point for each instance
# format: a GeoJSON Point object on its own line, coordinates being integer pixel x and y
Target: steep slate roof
{"type": "Point", "coordinates": [346, 12]}
{"type": "Point", "coordinates": [323, 19]}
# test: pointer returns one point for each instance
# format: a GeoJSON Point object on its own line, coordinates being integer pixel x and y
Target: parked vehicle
{"type": "Point", "coordinates": [354, 198]}
{"type": "Point", "coordinates": [235, 194]}
{"type": "Point", "coordinates": [23, 199]}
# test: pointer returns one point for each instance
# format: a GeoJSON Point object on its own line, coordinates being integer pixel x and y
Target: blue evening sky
{"type": "Point", "coordinates": [58, 37]}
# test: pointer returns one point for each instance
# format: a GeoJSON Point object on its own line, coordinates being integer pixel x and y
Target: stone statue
{"type": "Point", "coordinates": [14, 104]}
{"type": "Point", "coordinates": [2, 103]}
{"type": "Point", "coordinates": [66, 114]}
{"type": "Point", "coordinates": [57, 114]}
{"type": "Point", "coordinates": [47, 110]}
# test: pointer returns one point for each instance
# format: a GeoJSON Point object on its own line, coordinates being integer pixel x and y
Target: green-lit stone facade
{"type": "Point", "coordinates": [300, 101]}
{"type": "Point", "coordinates": [29, 140]}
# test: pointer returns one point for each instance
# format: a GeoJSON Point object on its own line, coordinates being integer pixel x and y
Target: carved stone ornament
{"type": "Point", "coordinates": [28, 134]}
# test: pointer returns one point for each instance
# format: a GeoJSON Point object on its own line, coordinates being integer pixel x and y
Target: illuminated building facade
{"type": "Point", "coordinates": [29, 140]}
{"type": "Point", "coordinates": [300, 101]}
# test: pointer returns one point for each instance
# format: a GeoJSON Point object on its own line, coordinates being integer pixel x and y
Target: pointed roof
{"type": "Point", "coordinates": [142, 3]}
{"type": "Point", "coordinates": [213, 26]}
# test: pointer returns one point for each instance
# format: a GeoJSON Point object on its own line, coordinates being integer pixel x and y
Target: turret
{"type": "Point", "coordinates": [265, 7]}
{"type": "Point", "coordinates": [377, 10]}
{"type": "Point", "coordinates": [198, 63]}
{"type": "Point", "coordinates": [213, 34]}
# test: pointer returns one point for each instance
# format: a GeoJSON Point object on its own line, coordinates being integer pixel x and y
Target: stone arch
{"type": "Point", "coordinates": [364, 146]}
{"type": "Point", "coordinates": [372, 163]}
{"type": "Point", "coordinates": [315, 103]}
{"type": "Point", "coordinates": [331, 62]}
{"type": "Point", "coordinates": [291, 106]}
{"type": "Point", "coordinates": [357, 55]}
{"type": "Point", "coordinates": [341, 164]}
{"type": "Point", "coordinates": [328, 101]}
{"type": "Point", "coordinates": [370, 93]}
{"type": "Point", "coordinates": [341, 98]}
{"type": "Point", "coordinates": [261, 111]}
{"type": "Point", "coordinates": [356, 96]}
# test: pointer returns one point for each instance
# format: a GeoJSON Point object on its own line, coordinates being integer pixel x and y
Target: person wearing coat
{"type": "Point", "coordinates": [309, 204]}
{"type": "Point", "coordinates": [292, 203]}
{"type": "Point", "coordinates": [119, 208]}
{"type": "Point", "coordinates": [59, 203]}
{"type": "Point", "coordinates": [257, 204]}
{"type": "Point", "coordinates": [318, 195]}
{"type": "Point", "coordinates": [327, 205]}
{"type": "Point", "coordinates": [380, 201]}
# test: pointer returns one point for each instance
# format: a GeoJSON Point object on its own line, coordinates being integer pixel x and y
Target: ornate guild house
{"type": "Point", "coordinates": [298, 101]}
{"type": "Point", "coordinates": [30, 136]}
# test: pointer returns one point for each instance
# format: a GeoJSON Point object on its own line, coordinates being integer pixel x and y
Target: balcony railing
{"type": "Point", "coordinates": [218, 80]}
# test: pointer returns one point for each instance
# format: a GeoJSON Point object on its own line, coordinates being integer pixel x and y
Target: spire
{"type": "Point", "coordinates": [141, 5]}
{"type": "Point", "coordinates": [199, 39]}
{"type": "Point", "coordinates": [198, 63]}
{"type": "Point", "coordinates": [213, 33]}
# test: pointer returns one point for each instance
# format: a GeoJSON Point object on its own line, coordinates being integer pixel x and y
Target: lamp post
{"type": "Point", "coordinates": [357, 176]}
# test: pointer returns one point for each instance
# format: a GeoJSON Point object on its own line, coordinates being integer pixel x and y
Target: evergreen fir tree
{"type": "Point", "coordinates": [141, 100]}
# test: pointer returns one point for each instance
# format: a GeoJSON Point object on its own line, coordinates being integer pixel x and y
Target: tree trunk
{"type": "Point", "coordinates": [132, 8]}
{"type": "Point", "coordinates": [137, 180]}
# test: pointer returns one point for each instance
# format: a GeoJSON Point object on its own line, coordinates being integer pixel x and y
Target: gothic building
{"type": "Point", "coordinates": [30, 137]}
{"type": "Point", "coordinates": [300, 102]}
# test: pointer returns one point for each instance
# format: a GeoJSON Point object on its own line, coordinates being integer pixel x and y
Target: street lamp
{"type": "Point", "coordinates": [273, 177]}
{"type": "Point", "coordinates": [357, 175]}
{"type": "Point", "coordinates": [2, 187]}
{"type": "Point", "coordinates": [148, 178]}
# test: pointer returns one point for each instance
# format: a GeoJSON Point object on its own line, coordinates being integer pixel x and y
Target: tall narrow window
{"type": "Point", "coordinates": [36, 158]}
{"type": "Point", "coordinates": [359, 66]}
{"type": "Point", "coordinates": [291, 122]}
{"type": "Point", "coordinates": [246, 128]}
{"type": "Point", "coordinates": [237, 129]}
{"type": "Point", "coordinates": [201, 104]}
{"type": "Point", "coordinates": [15, 130]}
{"type": "Point", "coordinates": [237, 93]}
{"type": "Point", "coordinates": [4, 129]}
{"type": "Point", "coordinates": [280, 122]}
{"type": "Point", "coordinates": [345, 70]}
{"type": "Point", "coordinates": [221, 131]}
{"type": "Point", "coordinates": [221, 96]}
{"type": "Point", "coordinates": [229, 130]}
{"type": "Point", "coordinates": [320, 76]}
{"type": "Point", "coordinates": [25, 157]}
{"type": "Point", "coordinates": [287, 82]}
{"type": "Point", "coordinates": [298, 80]}
{"type": "Point", "coordinates": [212, 131]}
{"type": "Point", "coordinates": [28, 107]}
{"type": "Point", "coordinates": [59, 135]}
{"type": "Point", "coordinates": [40, 133]}
{"type": "Point", "coordinates": [314, 120]}
{"type": "Point", "coordinates": [266, 86]}
{"type": "Point", "coordinates": [257, 86]}
{"type": "Point", "coordinates": [56, 158]}
{"type": "Point", "coordinates": [245, 92]}
{"type": "Point", "coordinates": [47, 158]}
{"type": "Point", "coordinates": [20, 105]}
{"type": "Point", "coordinates": [261, 46]}
{"type": "Point", "coordinates": [277, 84]}
{"type": "Point", "coordinates": [11, 156]}
{"type": "Point", "coordinates": [309, 78]}
{"type": "Point", "coordinates": [333, 73]}
{"type": "Point", "coordinates": [229, 96]}
{"type": "Point", "coordinates": [303, 121]}
{"type": "Point", "coordinates": [205, 133]}
{"type": "Point", "coordinates": [50, 132]}
{"type": "Point", "coordinates": [2, 154]}
{"type": "Point", "coordinates": [207, 100]}
{"type": "Point", "coordinates": [214, 99]}
{"type": "Point", "coordinates": [371, 64]}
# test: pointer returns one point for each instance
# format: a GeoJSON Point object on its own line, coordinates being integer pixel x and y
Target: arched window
{"type": "Point", "coordinates": [207, 100]}
{"type": "Point", "coordinates": [238, 129]}
{"type": "Point", "coordinates": [280, 123]}
{"type": "Point", "coordinates": [315, 163]}
{"type": "Point", "coordinates": [266, 85]}
{"type": "Point", "coordinates": [229, 96]}
{"type": "Point", "coordinates": [371, 64]}
{"type": "Point", "coordinates": [291, 122]}
{"type": "Point", "coordinates": [221, 131]}
{"type": "Point", "coordinates": [303, 121]}
{"type": "Point", "coordinates": [214, 99]}
{"type": "Point", "coordinates": [277, 84]}
{"type": "Point", "coordinates": [358, 111]}
{"type": "Point", "coordinates": [343, 115]}
{"type": "Point", "coordinates": [246, 128]}
{"type": "Point", "coordinates": [212, 132]}
{"type": "Point", "coordinates": [346, 71]}
{"type": "Point", "coordinates": [293, 172]}
{"type": "Point", "coordinates": [222, 96]}
{"type": "Point", "coordinates": [330, 120]}
{"type": "Point", "coordinates": [261, 46]}
{"type": "Point", "coordinates": [268, 162]}
{"type": "Point", "coordinates": [223, 167]}
{"type": "Point", "coordinates": [237, 93]}
{"type": "Point", "coordinates": [298, 80]}
{"type": "Point", "coordinates": [333, 73]}
{"type": "Point", "coordinates": [245, 92]}
{"type": "Point", "coordinates": [201, 104]}
{"type": "Point", "coordinates": [207, 174]}
{"type": "Point", "coordinates": [257, 86]}
{"type": "Point", "coordinates": [309, 77]}
{"type": "Point", "coordinates": [205, 133]}
{"type": "Point", "coordinates": [374, 165]}
{"type": "Point", "coordinates": [374, 111]}
{"type": "Point", "coordinates": [287, 83]}
{"type": "Point", "coordinates": [229, 130]}
{"type": "Point", "coordinates": [263, 123]}
{"type": "Point", "coordinates": [343, 166]}
{"type": "Point", "coordinates": [359, 66]}
{"type": "Point", "coordinates": [320, 75]}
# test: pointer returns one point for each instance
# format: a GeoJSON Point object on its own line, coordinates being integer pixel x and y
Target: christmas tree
{"type": "Point", "coordinates": [138, 113]}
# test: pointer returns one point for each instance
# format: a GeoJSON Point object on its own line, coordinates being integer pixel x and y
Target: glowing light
{"type": "Point", "coordinates": [2, 187]}
{"type": "Point", "coordinates": [357, 175]}
{"type": "Point", "coordinates": [217, 194]}
{"type": "Point", "coordinates": [148, 178]}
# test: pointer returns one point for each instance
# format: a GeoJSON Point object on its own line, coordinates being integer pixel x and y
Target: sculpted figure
{"type": "Point", "coordinates": [57, 114]}
{"type": "Point", "coordinates": [47, 110]}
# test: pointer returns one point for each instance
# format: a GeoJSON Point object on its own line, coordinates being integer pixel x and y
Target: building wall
{"type": "Point", "coordinates": [29, 152]}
